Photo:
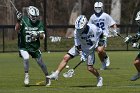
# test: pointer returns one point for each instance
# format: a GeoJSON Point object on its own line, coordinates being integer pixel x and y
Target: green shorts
{"type": "Point", "coordinates": [35, 54]}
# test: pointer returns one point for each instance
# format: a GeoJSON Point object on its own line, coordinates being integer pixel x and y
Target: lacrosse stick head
{"type": "Point", "coordinates": [69, 73]}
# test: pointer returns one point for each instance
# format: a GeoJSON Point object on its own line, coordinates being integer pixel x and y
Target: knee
{"type": "Point", "coordinates": [66, 58]}
{"type": "Point", "coordinates": [100, 50]}
{"type": "Point", "coordinates": [90, 68]}
{"type": "Point", "coordinates": [136, 62]}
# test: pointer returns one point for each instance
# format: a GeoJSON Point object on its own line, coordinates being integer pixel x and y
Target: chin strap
{"type": "Point", "coordinates": [98, 14]}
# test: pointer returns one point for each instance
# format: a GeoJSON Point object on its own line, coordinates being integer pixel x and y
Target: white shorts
{"type": "Point", "coordinates": [91, 57]}
{"type": "Point", "coordinates": [73, 52]}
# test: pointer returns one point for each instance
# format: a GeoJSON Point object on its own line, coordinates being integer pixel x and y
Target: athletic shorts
{"type": "Point", "coordinates": [34, 54]}
{"type": "Point", "coordinates": [74, 52]}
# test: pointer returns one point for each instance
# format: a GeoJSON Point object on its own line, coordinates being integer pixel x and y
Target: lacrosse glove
{"type": "Point", "coordinates": [34, 35]}
{"type": "Point", "coordinates": [136, 45]}
{"type": "Point", "coordinates": [114, 32]}
{"type": "Point", "coordinates": [83, 57]}
{"type": "Point", "coordinates": [128, 39]}
{"type": "Point", "coordinates": [19, 15]}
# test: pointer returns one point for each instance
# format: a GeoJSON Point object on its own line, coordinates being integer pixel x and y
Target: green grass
{"type": "Point", "coordinates": [116, 77]}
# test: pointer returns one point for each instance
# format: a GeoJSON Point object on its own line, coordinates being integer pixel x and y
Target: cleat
{"type": "Point", "coordinates": [26, 80]}
{"type": "Point", "coordinates": [107, 61]}
{"type": "Point", "coordinates": [53, 76]}
{"type": "Point", "coordinates": [48, 82]}
{"type": "Point", "coordinates": [100, 82]}
{"type": "Point", "coordinates": [137, 76]}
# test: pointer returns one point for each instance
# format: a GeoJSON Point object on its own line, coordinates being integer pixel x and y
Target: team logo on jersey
{"type": "Point", "coordinates": [31, 28]}
{"type": "Point", "coordinates": [87, 37]}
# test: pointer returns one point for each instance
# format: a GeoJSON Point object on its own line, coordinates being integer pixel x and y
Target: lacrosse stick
{"type": "Point", "coordinates": [31, 33]}
{"type": "Point", "coordinates": [70, 72]}
{"type": "Point", "coordinates": [14, 6]}
{"type": "Point", "coordinates": [120, 36]}
{"type": "Point", "coordinates": [111, 30]}
{"type": "Point", "coordinates": [17, 11]}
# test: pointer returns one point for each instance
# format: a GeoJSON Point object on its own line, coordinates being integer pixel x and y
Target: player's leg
{"type": "Point", "coordinates": [61, 66]}
{"type": "Point", "coordinates": [90, 62]}
{"type": "Point", "coordinates": [137, 66]}
{"type": "Point", "coordinates": [102, 54]}
{"type": "Point", "coordinates": [38, 57]}
{"type": "Point", "coordinates": [25, 56]}
{"type": "Point", "coordinates": [71, 53]}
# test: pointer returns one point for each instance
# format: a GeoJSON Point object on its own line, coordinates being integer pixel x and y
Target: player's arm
{"type": "Point", "coordinates": [17, 26]}
{"type": "Point", "coordinates": [114, 29]}
{"type": "Point", "coordinates": [41, 31]}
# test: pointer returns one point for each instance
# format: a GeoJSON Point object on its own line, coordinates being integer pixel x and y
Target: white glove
{"type": "Point", "coordinates": [127, 39]}
{"type": "Point", "coordinates": [83, 57]}
{"type": "Point", "coordinates": [19, 15]}
{"type": "Point", "coordinates": [135, 45]}
{"type": "Point", "coordinates": [34, 35]}
{"type": "Point", "coordinates": [114, 32]}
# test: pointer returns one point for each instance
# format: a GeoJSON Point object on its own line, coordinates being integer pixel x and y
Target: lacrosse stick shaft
{"type": "Point", "coordinates": [77, 64]}
{"type": "Point", "coordinates": [17, 11]}
{"type": "Point", "coordinates": [13, 6]}
{"type": "Point", "coordinates": [120, 36]}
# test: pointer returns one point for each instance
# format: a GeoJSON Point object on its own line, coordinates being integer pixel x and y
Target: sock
{"type": "Point", "coordinates": [98, 77]}
{"type": "Point", "coordinates": [26, 74]}
{"type": "Point", "coordinates": [42, 65]}
{"type": "Point", "coordinates": [106, 56]}
{"type": "Point", "coordinates": [26, 65]}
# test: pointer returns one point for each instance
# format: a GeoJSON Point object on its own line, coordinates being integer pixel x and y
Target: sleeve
{"type": "Point", "coordinates": [110, 21]}
{"type": "Point", "coordinates": [41, 27]}
{"type": "Point", "coordinates": [90, 20]}
{"type": "Point", "coordinates": [76, 38]}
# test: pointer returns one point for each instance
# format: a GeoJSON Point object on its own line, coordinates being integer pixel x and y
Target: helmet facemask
{"type": "Point", "coordinates": [98, 7]}
{"type": "Point", "coordinates": [33, 13]}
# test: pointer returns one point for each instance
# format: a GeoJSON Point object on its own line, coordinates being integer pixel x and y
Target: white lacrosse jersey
{"type": "Point", "coordinates": [87, 39]}
{"type": "Point", "coordinates": [104, 21]}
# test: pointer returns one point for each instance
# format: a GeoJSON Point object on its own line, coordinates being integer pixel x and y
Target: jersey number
{"type": "Point", "coordinates": [28, 38]}
{"type": "Point", "coordinates": [101, 25]}
{"type": "Point", "coordinates": [89, 42]}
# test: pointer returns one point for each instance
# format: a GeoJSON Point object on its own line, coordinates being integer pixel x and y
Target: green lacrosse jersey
{"type": "Point", "coordinates": [25, 38]}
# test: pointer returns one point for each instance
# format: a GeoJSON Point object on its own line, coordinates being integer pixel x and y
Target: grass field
{"type": "Point", "coordinates": [116, 77]}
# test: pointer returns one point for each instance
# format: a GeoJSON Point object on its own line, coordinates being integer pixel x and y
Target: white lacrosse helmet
{"type": "Point", "coordinates": [98, 7]}
{"type": "Point", "coordinates": [138, 18]}
{"type": "Point", "coordinates": [81, 22]}
{"type": "Point", "coordinates": [33, 13]}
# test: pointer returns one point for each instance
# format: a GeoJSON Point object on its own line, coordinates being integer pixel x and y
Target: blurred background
{"type": "Point", "coordinates": [59, 17]}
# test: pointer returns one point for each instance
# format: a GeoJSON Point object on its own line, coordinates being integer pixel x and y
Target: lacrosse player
{"type": "Point", "coordinates": [86, 39]}
{"type": "Point", "coordinates": [135, 44]}
{"type": "Point", "coordinates": [30, 30]}
{"type": "Point", "coordinates": [103, 21]}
